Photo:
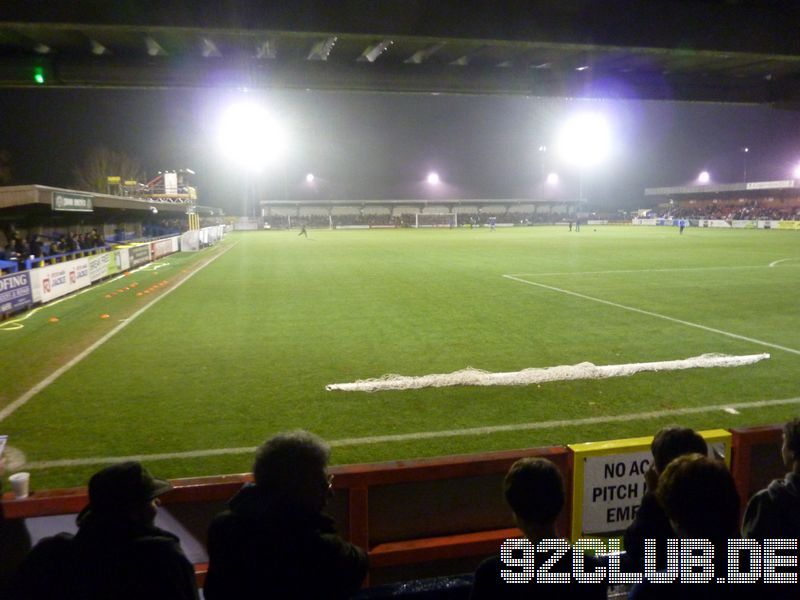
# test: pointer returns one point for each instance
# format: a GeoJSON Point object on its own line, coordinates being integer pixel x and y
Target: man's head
{"type": "Point", "coordinates": [291, 467]}
{"type": "Point", "coordinates": [671, 442]}
{"type": "Point", "coordinates": [534, 489]}
{"type": "Point", "coordinates": [791, 444]}
{"type": "Point", "coordinates": [699, 496]}
{"type": "Point", "coordinates": [125, 490]}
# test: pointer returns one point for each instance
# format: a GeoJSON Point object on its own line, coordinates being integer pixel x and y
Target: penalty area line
{"type": "Point", "coordinates": [629, 271]}
{"type": "Point", "coordinates": [654, 314]}
{"type": "Point", "coordinates": [22, 400]}
{"type": "Point", "coordinates": [427, 435]}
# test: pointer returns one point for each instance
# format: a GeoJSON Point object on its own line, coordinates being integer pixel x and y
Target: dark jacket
{"type": "Point", "coordinates": [261, 549]}
{"type": "Point", "coordinates": [490, 585]}
{"type": "Point", "coordinates": [107, 558]}
{"type": "Point", "coordinates": [651, 522]}
{"type": "Point", "coordinates": [775, 511]}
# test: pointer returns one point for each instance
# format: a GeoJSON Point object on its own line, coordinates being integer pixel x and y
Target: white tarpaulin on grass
{"type": "Point", "coordinates": [586, 370]}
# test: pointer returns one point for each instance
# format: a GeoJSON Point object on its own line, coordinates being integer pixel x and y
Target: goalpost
{"type": "Point", "coordinates": [448, 220]}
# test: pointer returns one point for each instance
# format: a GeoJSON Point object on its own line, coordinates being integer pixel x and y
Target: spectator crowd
{"type": "Point", "coordinates": [19, 248]}
{"type": "Point", "coordinates": [752, 211]}
{"type": "Point", "coordinates": [273, 540]}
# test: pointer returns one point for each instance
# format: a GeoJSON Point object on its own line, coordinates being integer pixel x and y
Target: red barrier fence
{"type": "Point", "coordinates": [440, 515]}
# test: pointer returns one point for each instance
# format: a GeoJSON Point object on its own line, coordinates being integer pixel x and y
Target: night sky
{"type": "Point", "coordinates": [364, 146]}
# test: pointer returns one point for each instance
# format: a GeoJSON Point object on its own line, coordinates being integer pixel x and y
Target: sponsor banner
{"type": "Point", "coordinates": [105, 264]}
{"type": "Point", "coordinates": [640, 221]}
{"type": "Point", "coordinates": [122, 259]}
{"type": "Point", "coordinates": [597, 222]}
{"type": "Point", "coordinates": [193, 239]}
{"type": "Point", "coordinates": [163, 247]}
{"type": "Point", "coordinates": [714, 223]}
{"type": "Point", "coordinates": [788, 224]}
{"type": "Point", "coordinates": [770, 185]}
{"type": "Point", "coordinates": [190, 241]}
{"type": "Point", "coordinates": [768, 224]}
{"type": "Point", "coordinates": [139, 255]}
{"type": "Point", "coordinates": [54, 281]}
{"type": "Point", "coordinates": [743, 224]}
{"type": "Point", "coordinates": [15, 292]}
{"type": "Point", "coordinates": [609, 481]}
{"type": "Point", "coordinates": [72, 202]}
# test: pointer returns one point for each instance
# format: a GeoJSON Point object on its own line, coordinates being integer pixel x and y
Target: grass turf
{"type": "Point", "coordinates": [245, 346]}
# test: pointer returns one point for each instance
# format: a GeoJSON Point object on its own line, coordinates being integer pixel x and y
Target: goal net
{"type": "Point", "coordinates": [435, 220]}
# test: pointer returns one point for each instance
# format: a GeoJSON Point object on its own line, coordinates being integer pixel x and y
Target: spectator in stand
{"type": "Point", "coordinates": [58, 246]}
{"type": "Point", "coordinates": [10, 254]}
{"type": "Point", "coordinates": [98, 240]}
{"type": "Point", "coordinates": [651, 522]}
{"type": "Point", "coordinates": [534, 490]}
{"type": "Point", "coordinates": [21, 246]}
{"type": "Point", "coordinates": [699, 497]}
{"type": "Point", "coordinates": [273, 540]}
{"type": "Point", "coordinates": [774, 512]}
{"type": "Point", "coordinates": [36, 248]}
{"type": "Point", "coordinates": [118, 551]}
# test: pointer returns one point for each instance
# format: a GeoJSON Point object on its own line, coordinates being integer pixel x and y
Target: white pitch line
{"type": "Point", "coordinates": [22, 400]}
{"type": "Point", "coordinates": [665, 270]}
{"type": "Point", "coordinates": [657, 315]}
{"type": "Point", "coordinates": [16, 324]}
{"type": "Point", "coordinates": [777, 262]}
{"type": "Point", "coordinates": [423, 435]}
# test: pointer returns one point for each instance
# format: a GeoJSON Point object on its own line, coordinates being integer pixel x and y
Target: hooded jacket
{"type": "Point", "coordinates": [262, 548]}
{"type": "Point", "coordinates": [774, 512]}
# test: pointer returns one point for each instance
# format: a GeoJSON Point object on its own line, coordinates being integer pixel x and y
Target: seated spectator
{"type": "Point", "coordinates": [273, 540]}
{"type": "Point", "coordinates": [36, 246]}
{"type": "Point", "coordinates": [699, 497]}
{"type": "Point", "coordinates": [10, 253]}
{"type": "Point", "coordinates": [21, 246]}
{"type": "Point", "coordinates": [774, 512]}
{"type": "Point", "coordinates": [117, 553]}
{"type": "Point", "coordinates": [534, 490]}
{"type": "Point", "coordinates": [54, 247]}
{"type": "Point", "coordinates": [651, 522]}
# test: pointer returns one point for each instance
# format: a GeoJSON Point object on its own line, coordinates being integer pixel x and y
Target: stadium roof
{"type": "Point", "coordinates": [731, 51]}
{"type": "Point", "coordinates": [16, 197]}
{"type": "Point", "coordinates": [428, 202]}
{"type": "Point", "coordinates": [752, 186]}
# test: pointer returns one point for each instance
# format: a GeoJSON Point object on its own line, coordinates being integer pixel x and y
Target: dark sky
{"type": "Point", "coordinates": [382, 145]}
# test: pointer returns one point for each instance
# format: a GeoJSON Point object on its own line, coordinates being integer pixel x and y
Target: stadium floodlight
{"type": "Point", "coordinates": [250, 137]}
{"type": "Point", "coordinates": [797, 172]}
{"type": "Point", "coordinates": [433, 178]}
{"type": "Point", "coordinates": [310, 178]}
{"type": "Point", "coordinates": [704, 177]}
{"type": "Point", "coordinates": [585, 139]}
{"type": "Point", "coordinates": [552, 178]}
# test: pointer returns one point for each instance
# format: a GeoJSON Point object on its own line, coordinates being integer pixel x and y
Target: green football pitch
{"type": "Point", "coordinates": [202, 356]}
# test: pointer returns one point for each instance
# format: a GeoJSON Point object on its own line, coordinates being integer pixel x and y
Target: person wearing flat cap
{"type": "Point", "coordinates": [118, 551]}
